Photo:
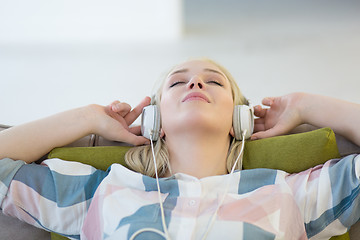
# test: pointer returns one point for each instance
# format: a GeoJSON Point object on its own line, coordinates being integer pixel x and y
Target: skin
{"type": "Point", "coordinates": [282, 114]}
{"type": "Point", "coordinates": [197, 130]}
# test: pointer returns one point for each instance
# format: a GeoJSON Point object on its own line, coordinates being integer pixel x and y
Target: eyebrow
{"type": "Point", "coordinates": [179, 71]}
{"type": "Point", "coordinates": [205, 69]}
{"type": "Point", "coordinates": [214, 71]}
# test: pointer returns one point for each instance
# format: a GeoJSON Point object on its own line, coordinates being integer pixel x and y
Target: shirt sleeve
{"type": "Point", "coordinates": [54, 196]}
{"type": "Point", "coordinates": [328, 196]}
{"type": "Point", "coordinates": [8, 169]}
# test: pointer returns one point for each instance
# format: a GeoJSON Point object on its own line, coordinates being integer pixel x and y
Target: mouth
{"type": "Point", "coordinates": [196, 96]}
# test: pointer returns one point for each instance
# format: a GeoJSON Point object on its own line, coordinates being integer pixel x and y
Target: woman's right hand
{"type": "Point", "coordinates": [113, 122]}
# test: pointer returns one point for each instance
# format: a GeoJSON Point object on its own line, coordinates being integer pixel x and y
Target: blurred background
{"type": "Point", "coordinates": [57, 55]}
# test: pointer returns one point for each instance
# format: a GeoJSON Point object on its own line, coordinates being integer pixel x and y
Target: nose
{"type": "Point", "coordinates": [195, 82]}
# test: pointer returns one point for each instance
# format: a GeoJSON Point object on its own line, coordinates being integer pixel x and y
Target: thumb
{"type": "Point", "coordinates": [133, 139]}
{"type": "Point", "coordinates": [272, 132]}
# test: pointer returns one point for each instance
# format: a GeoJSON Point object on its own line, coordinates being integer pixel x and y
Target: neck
{"type": "Point", "coordinates": [198, 155]}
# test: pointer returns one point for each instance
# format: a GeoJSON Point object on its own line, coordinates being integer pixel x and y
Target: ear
{"type": "Point", "coordinates": [162, 133]}
{"type": "Point", "coordinates": [232, 132]}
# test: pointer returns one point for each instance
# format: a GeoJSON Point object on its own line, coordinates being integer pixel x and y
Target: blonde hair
{"type": "Point", "coordinates": [140, 158]}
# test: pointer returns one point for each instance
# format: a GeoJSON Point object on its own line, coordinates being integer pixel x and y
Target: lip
{"type": "Point", "coordinates": [196, 96]}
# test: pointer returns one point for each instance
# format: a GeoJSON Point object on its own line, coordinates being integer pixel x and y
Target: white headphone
{"type": "Point", "coordinates": [243, 119]}
{"type": "Point", "coordinates": [150, 122]}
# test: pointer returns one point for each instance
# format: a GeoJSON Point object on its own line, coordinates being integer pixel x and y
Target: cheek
{"type": "Point", "coordinates": [166, 110]}
{"type": "Point", "coordinates": [226, 110]}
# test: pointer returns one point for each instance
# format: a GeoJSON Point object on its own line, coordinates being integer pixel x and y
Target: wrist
{"type": "Point", "coordinates": [89, 114]}
{"type": "Point", "coordinates": [305, 106]}
{"type": "Point", "coordinates": [97, 123]}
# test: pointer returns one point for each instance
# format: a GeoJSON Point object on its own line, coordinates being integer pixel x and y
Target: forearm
{"type": "Point", "coordinates": [342, 116]}
{"type": "Point", "coordinates": [31, 141]}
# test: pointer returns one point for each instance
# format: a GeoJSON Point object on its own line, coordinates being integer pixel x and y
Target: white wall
{"type": "Point", "coordinates": [64, 21]}
{"type": "Point", "coordinates": [56, 55]}
{"type": "Point", "coordinates": [271, 48]}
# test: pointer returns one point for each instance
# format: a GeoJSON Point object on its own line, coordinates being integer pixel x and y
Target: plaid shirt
{"type": "Point", "coordinates": [79, 201]}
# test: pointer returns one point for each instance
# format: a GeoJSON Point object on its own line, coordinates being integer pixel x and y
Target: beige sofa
{"type": "Point", "coordinates": [13, 229]}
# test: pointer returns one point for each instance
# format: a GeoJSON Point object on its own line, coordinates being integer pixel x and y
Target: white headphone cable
{"type": "Point", "coordinates": [164, 234]}
{"type": "Point", "coordinates": [240, 156]}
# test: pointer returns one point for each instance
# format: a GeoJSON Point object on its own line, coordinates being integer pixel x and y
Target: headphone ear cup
{"type": "Point", "coordinates": [236, 122]}
{"type": "Point", "coordinates": [243, 119]}
{"type": "Point", "coordinates": [150, 122]}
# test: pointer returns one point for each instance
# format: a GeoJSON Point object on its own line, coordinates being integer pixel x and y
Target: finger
{"type": "Point", "coordinates": [134, 114]}
{"type": "Point", "coordinates": [113, 105]}
{"type": "Point", "coordinates": [262, 135]}
{"type": "Point", "coordinates": [116, 116]}
{"type": "Point", "coordinates": [123, 109]}
{"type": "Point", "coordinates": [115, 102]}
{"type": "Point", "coordinates": [135, 130]}
{"type": "Point", "coordinates": [268, 101]}
{"type": "Point", "coordinates": [120, 107]}
{"type": "Point", "coordinates": [128, 137]}
{"type": "Point", "coordinates": [272, 132]}
{"type": "Point", "coordinates": [259, 120]}
{"type": "Point", "coordinates": [259, 111]}
{"type": "Point", "coordinates": [259, 127]}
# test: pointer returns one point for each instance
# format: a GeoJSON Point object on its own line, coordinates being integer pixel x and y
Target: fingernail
{"type": "Point", "coordinates": [115, 108]}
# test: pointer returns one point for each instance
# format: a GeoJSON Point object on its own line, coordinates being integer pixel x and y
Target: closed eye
{"type": "Point", "coordinates": [215, 82]}
{"type": "Point", "coordinates": [176, 83]}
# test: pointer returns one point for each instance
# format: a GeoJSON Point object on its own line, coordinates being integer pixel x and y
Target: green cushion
{"type": "Point", "coordinates": [98, 157]}
{"type": "Point", "coordinates": [291, 153]}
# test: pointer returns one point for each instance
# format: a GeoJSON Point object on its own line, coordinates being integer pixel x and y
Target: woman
{"type": "Point", "coordinates": [198, 199]}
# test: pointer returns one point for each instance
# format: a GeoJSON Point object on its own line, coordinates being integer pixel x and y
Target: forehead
{"type": "Point", "coordinates": [195, 65]}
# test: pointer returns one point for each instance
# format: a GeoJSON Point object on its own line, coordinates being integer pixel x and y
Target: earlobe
{"type": "Point", "coordinates": [162, 133]}
{"type": "Point", "coordinates": [232, 133]}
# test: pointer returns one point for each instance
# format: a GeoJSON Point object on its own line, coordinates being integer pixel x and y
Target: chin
{"type": "Point", "coordinates": [198, 122]}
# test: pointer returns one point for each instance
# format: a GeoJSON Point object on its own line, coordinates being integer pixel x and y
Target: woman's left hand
{"type": "Point", "coordinates": [281, 117]}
